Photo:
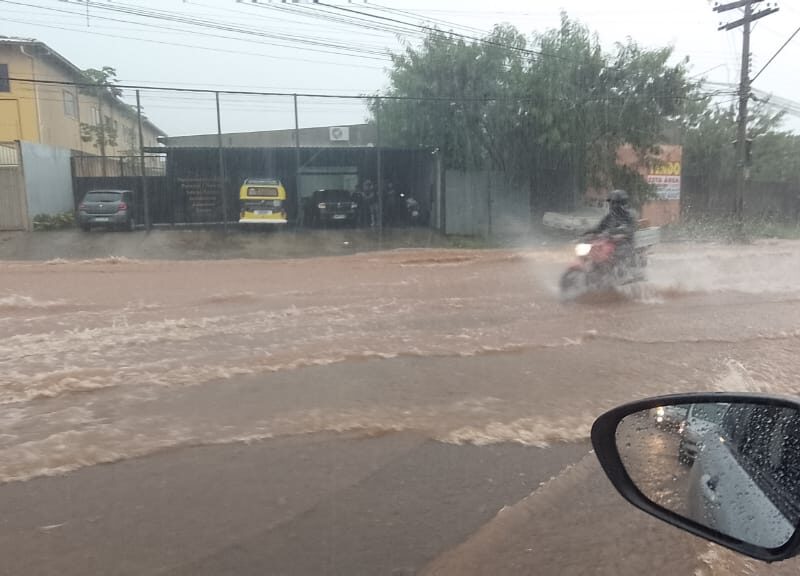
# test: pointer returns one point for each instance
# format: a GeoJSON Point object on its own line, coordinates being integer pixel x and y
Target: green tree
{"type": "Point", "coordinates": [549, 111]}
{"type": "Point", "coordinates": [710, 154]}
{"type": "Point", "coordinates": [104, 79]}
{"type": "Point", "coordinates": [102, 132]}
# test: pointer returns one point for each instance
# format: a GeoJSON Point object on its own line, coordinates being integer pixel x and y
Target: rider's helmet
{"type": "Point", "coordinates": [618, 200]}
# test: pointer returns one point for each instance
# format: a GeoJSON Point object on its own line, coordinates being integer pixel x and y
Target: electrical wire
{"type": "Point", "coordinates": [130, 10]}
{"type": "Point", "coordinates": [372, 55]}
{"type": "Point", "coordinates": [764, 67]}
{"type": "Point", "coordinates": [195, 46]}
{"type": "Point", "coordinates": [362, 97]}
{"type": "Point", "coordinates": [438, 21]}
{"type": "Point", "coordinates": [526, 51]}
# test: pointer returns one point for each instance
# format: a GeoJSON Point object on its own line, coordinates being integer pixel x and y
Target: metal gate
{"type": "Point", "coordinates": [13, 213]}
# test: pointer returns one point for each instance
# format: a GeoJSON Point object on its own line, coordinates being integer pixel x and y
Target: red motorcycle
{"type": "Point", "coordinates": [602, 264]}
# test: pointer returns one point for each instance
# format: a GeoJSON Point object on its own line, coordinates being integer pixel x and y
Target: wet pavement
{"type": "Point", "coordinates": [369, 413]}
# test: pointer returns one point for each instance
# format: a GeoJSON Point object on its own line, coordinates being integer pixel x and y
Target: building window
{"type": "Point", "coordinates": [95, 116]}
{"type": "Point", "coordinates": [70, 106]}
{"type": "Point", "coordinates": [5, 83]}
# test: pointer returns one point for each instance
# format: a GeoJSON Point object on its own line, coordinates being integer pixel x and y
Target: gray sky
{"type": "Point", "coordinates": [164, 52]}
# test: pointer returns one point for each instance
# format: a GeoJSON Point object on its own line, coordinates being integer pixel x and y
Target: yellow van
{"type": "Point", "coordinates": [262, 201]}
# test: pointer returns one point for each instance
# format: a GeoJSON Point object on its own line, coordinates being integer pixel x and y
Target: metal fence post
{"type": "Point", "coordinates": [145, 199]}
{"type": "Point", "coordinates": [298, 206]}
{"type": "Point", "coordinates": [221, 169]}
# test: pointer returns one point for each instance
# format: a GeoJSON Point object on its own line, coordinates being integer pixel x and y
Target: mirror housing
{"type": "Point", "coordinates": [604, 441]}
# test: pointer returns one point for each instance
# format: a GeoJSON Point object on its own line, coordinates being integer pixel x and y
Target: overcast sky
{"type": "Point", "coordinates": [351, 59]}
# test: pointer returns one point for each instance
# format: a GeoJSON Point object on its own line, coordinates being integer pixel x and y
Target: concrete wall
{"type": "Point", "coordinates": [466, 203]}
{"type": "Point", "coordinates": [48, 179]}
{"type": "Point", "coordinates": [484, 204]}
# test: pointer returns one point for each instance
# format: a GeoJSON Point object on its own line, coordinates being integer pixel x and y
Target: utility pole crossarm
{"type": "Point", "coordinates": [736, 23]}
{"type": "Point", "coordinates": [734, 5]}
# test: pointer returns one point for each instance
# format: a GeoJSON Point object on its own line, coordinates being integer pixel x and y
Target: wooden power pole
{"type": "Point", "coordinates": [742, 148]}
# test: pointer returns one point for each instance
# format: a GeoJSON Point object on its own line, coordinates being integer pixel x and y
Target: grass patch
{"type": "Point", "coordinates": [44, 222]}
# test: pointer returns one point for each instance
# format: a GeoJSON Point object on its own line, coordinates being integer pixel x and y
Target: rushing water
{"type": "Point", "coordinates": [107, 359]}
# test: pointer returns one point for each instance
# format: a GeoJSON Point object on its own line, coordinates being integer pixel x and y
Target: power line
{"type": "Point", "coordinates": [294, 22]}
{"type": "Point", "coordinates": [332, 48]}
{"type": "Point", "coordinates": [195, 46]}
{"type": "Point", "coordinates": [527, 51]}
{"type": "Point", "coordinates": [313, 12]}
{"type": "Point", "coordinates": [217, 25]}
{"type": "Point", "coordinates": [471, 29]}
{"type": "Point", "coordinates": [364, 97]}
{"type": "Point", "coordinates": [764, 67]}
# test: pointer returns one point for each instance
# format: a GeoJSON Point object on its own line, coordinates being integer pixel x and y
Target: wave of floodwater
{"type": "Point", "coordinates": [61, 360]}
{"type": "Point", "coordinates": [19, 302]}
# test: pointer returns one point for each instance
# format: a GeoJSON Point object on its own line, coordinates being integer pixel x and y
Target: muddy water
{"type": "Point", "coordinates": [107, 359]}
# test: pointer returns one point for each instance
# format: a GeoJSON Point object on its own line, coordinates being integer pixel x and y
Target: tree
{"type": "Point", "coordinates": [549, 111]}
{"type": "Point", "coordinates": [102, 132]}
{"type": "Point", "coordinates": [105, 79]}
{"type": "Point", "coordinates": [710, 154]}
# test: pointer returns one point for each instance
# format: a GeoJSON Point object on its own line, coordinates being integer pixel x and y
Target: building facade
{"type": "Point", "coordinates": [52, 113]}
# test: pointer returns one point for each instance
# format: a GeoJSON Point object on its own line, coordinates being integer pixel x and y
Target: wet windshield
{"type": "Point", "coordinates": [709, 412]}
{"type": "Point", "coordinates": [262, 192]}
{"type": "Point", "coordinates": [333, 195]}
{"type": "Point", "coordinates": [103, 197]}
{"type": "Point", "coordinates": [378, 268]}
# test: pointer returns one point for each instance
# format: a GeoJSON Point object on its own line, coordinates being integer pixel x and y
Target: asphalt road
{"type": "Point", "coordinates": [310, 504]}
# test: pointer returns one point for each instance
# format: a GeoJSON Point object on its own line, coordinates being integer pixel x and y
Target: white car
{"type": "Point", "coordinates": [753, 453]}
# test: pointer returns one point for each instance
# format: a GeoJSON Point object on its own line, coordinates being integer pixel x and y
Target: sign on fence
{"type": "Point", "coordinates": [666, 180]}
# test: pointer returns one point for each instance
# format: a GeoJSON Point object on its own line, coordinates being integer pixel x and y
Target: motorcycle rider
{"type": "Point", "coordinates": [620, 224]}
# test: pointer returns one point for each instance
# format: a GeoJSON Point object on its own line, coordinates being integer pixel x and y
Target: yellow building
{"type": "Point", "coordinates": [52, 114]}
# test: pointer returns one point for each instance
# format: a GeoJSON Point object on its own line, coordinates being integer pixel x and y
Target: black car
{"type": "Point", "coordinates": [330, 207]}
{"type": "Point", "coordinates": [109, 208]}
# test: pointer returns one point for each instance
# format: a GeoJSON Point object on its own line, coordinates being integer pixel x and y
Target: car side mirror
{"type": "Point", "coordinates": [725, 467]}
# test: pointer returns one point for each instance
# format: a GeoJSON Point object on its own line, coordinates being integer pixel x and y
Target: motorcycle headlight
{"type": "Point", "coordinates": [583, 249]}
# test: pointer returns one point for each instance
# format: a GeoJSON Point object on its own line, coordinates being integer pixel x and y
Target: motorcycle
{"type": "Point", "coordinates": [411, 210]}
{"type": "Point", "coordinates": [600, 266]}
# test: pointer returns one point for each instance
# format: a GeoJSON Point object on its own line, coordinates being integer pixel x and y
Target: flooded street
{"type": "Point", "coordinates": [462, 361]}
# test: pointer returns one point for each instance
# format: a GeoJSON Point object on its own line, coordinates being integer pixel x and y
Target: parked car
{"type": "Point", "coordinates": [109, 208]}
{"type": "Point", "coordinates": [701, 419]}
{"type": "Point", "coordinates": [330, 207]}
{"type": "Point", "coordinates": [262, 202]}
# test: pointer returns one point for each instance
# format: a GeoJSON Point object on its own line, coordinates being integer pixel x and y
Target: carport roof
{"type": "Point", "coordinates": [345, 149]}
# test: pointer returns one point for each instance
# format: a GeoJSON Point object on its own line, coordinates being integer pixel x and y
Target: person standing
{"type": "Point", "coordinates": [371, 199]}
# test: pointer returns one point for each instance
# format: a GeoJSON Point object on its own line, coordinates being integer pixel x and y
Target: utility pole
{"type": "Point", "coordinates": [742, 148]}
